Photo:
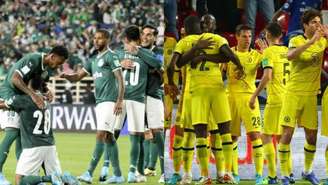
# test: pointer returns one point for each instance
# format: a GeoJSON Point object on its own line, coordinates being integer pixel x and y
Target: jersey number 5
{"type": "Point", "coordinates": [46, 122]}
{"type": "Point", "coordinates": [286, 73]}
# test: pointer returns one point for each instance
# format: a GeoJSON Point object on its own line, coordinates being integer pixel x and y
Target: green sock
{"type": "Point", "coordinates": [34, 180]}
{"type": "Point", "coordinates": [98, 151]}
{"type": "Point", "coordinates": [135, 151]}
{"type": "Point", "coordinates": [140, 164]}
{"type": "Point", "coordinates": [112, 151]}
{"type": "Point", "coordinates": [18, 147]}
{"type": "Point", "coordinates": [10, 136]}
{"type": "Point", "coordinates": [158, 150]}
{"type": "Point", "coordinates": [106, 158]}
{"type": "Point", "coordinates": [146, 146]}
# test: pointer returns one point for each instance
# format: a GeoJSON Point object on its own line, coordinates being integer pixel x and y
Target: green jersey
{"type": "Point", "coordinates": [136, 78]}
{"type": "Point", "coordinates": [35, 127]}
{"type": "Point", "coordinates": [102, 68]}
{"type": "Point", "coordinates": [154, 83]}
{"type": "Point", "coordinates": [27, 67]}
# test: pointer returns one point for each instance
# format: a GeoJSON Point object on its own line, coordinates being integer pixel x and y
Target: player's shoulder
{"type": "Point", "coordinates": [189, 38]}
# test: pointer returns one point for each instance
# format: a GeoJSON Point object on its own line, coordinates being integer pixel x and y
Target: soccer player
{"type": "Point", "coordinates": [136, 62]}
{"type": "Point", "coordinates": [275, 76]}
{"type": "Point", "coordinates": [37, 139]}
{"type": "Point", "coordinates": [107, 73]}
{"type": "Point", "coordinates": [299, 105]}
{"type": "Point", "coordinates": [240, 92]}
{"type": "Point", "coordinates": [154, 105]}
{"type": "Point", "coordinates": [208, 95]}
{"type": "Point", "coordinates": [16, 83]}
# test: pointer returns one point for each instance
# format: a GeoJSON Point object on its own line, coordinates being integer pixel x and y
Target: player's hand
{"type": "Point", "coordinates": [49, 96]}
{"type": "Point", "coordinates": [324, 29]}
{"type": "Point", "coordinates": [239, 73]}
{"type": "Point", "coordinates": [118, 107]}
{"type": "Point", "coordinates": [38, 100]}
{"type": "Point", "coordinates": [262, 44]}
{"type": "Point", "coordinates": [252, 101]}
{"type": "Point", "coordinates": [62, 75]}
{"type": "Point", "coordinates": [127, 64]}
{"type": "Point", "coordinates": [171, 90]}
{"type": "Point", "coordinates": [204, 43]}
{"type": "Point", "coordinates": [317, 35]}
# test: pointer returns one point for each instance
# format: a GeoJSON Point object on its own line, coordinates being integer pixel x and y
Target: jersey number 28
{"type": "Point", "coordinates": [46, 122]}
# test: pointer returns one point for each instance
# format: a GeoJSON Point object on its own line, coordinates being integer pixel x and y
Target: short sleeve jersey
{"type": "Point", "coordinates": [102, 68]}
{"type": "Point", "coordinates": [305, 70]}
{"type": "Point", "coordinates": [275, 57]}
{"type": "Point", "coordinates": [35, 128]}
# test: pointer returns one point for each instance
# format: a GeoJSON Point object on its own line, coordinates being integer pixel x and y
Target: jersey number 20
{"type": "Point", "coordinates": [46, 124]}
{"type": "Point", "coordinates": [134, 75]}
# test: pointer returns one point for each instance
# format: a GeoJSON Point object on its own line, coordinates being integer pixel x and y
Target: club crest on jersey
{"type": "Point", "coordinates": [101, 63]}
{"type": "Point", "coordinates": [44, 74]}
{"type": "Point", "coordinates": [287, 119]}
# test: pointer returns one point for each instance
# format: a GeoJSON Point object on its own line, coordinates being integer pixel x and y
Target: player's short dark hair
{"type": "Point", "coordinates": [60, 51]}
{"type": "Point", "coordinates": [274, 29]}
{"type": "Point", "coordinates": [192, 25]}
{"type": "Point", "coordinates": [132, 33]}
{"type": "Point", "coordinates": [310, 14]}
{"type": "Point", "coordinates": [151, 27]}
{"type": "Point", "coordinates": [104, 32]}
{"type": "Point", "coordinates": [242, 27]}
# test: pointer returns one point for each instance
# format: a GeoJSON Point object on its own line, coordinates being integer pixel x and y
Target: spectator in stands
{"type": "Point", "coordinates": [295, 9]}
{"type": "Point", "coordinates": [266, 8]}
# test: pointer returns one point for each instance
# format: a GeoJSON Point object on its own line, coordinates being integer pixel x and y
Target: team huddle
{"type": "Point", "coordinates": [128, 83]}
{"type": "Point", "coordinates": [210, 112]}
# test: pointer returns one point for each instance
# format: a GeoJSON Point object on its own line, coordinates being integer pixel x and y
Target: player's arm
{"type": "Point", "coordinates": [3, 105]}
{"type": "Point", "coordinates": [119, 101]}
{"type": "Point", "coordinates": [266, 78]}
{"type": "Point", "coordinates": [195, 51]}
{"type": "Point", "coordinates": [295, 52]}
{"type": "Point", "coordinates": [18, 82]}
{"type": "Point", "coordinates": [150, 58]}
{"type": "Point", "coordinates": [172, 88]}
{"type": "Point", "coordinates": [74, 77]}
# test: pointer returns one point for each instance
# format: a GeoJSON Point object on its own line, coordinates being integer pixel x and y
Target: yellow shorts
{"type": "Point", "coordinates": [271, 124]}
{"type": "Point", "coordinates": [207, 101]}
{"type": "Point", "coordinates": [241, 112]}
{"type": "Point", "coordinates": [301, 110]}
{"type": "Point", "coordinates": [324, 114]}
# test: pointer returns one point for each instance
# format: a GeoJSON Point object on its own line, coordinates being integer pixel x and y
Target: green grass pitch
{"type": "Point", "coordinates": [75, 150]}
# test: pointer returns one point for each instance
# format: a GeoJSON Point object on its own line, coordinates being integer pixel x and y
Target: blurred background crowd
{"type": "Point", "coordinates": [27, 27]}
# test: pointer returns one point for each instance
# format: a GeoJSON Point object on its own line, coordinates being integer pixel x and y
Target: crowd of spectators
{"type": "Point", "coordinates": [28, 27]}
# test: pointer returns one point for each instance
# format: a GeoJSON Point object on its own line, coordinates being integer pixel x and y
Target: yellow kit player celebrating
{"type": "Point", "coordinates": [275, 75]}
{"type": "Point", "coordinates": [208, 96]}
{"type": "Point", "coordinates": [240, 91]}
{"type": "Point", "coordinates": [300, 101]}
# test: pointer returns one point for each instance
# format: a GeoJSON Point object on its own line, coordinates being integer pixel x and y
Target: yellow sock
{"type": "Point", "coordinates": [309, 152]}
{"type": "Point", "coordinates": [284, 151]}
{"type": "Point", "coordinates": [188, 151]}
{"type": "Point", "coordinates": [290, 162]}
{"type": "Point", "coordinates": [270, 155]}
{"type": "Point", "coordinates": [258, 156]}
{"type": "Point", "coordinates": [326, 157]}
{"type": "Point", "coordinates": [218, 153]}
{"type": "Point", "coordinates": [177, 153]}
{"type": "Point", "coordinates": [227, 151]}
{"type": "Point", "coordinates": [202, 154]}
{"type": "Point", "coordinates": [235, 158]}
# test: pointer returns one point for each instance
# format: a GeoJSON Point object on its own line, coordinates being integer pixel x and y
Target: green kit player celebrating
{"type": "Point", "coordinates": [106, 71]}
{"type": "Point", "coordinates": [16, 84]}
{"type": "Point", "coordinates": [37, 140]}
{"type": "Point", "coordinates": [136, 62]}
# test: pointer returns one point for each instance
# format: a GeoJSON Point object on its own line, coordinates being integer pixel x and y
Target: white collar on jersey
{"type": "Point", "coordinates": [42, 60]}
{"type": "Point", "coordinates": [103, 53]}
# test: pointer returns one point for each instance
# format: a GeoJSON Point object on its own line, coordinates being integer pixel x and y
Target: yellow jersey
{"type": "Point", "coordinates": [275, 57]}
{"type": "Point", "coordinates": [208, 74]}
{"type": "Point", "coordinates": [183, 46]}
{"type": "Point", "coordinates": [305, 70]}
{"type": "Point", "coordinates": [250, 61]}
